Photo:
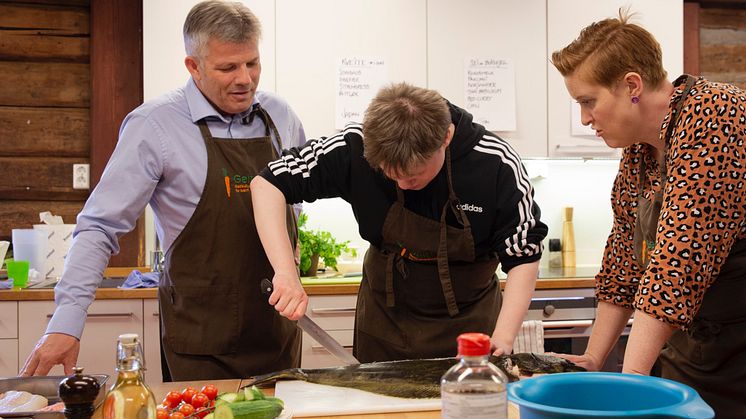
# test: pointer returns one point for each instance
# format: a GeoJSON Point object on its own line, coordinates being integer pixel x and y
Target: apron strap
{"type": "Point", "coordinates": [269, 124]}
{"type": "Point", "coordinates": [690, 81]}
{"type": "Point", "coordinates": [444, 273]}
{"type": "Point", "coordinates": [202, 124]}
{"type": "Point", "coordinates": [390, 298]}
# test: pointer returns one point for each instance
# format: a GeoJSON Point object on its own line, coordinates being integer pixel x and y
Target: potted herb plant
{"type": "Point", "coordinates": [315, 245]}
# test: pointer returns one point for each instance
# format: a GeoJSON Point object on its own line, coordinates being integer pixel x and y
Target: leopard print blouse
{"type": "Point", "coordinates": [702, 213]}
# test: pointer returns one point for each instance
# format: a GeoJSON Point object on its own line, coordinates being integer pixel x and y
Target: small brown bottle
{"type": "Point", "coordinates": [568, 240]}
{"type": "Point", "coordinates": [78, 392]}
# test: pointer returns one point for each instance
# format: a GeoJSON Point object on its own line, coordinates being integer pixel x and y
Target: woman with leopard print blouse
{"type": "Point", "coordinates": [676, 255]}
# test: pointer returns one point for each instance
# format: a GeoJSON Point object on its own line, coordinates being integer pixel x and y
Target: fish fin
{"type": "Point", "coordinates": [288, 374]}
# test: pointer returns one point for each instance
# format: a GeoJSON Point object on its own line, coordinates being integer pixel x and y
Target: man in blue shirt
{"type": "Point", "coordinates": [191, 154]}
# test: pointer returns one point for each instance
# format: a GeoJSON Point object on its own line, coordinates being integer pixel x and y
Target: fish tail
{"type": "Point", "coordinates": [289, 374]}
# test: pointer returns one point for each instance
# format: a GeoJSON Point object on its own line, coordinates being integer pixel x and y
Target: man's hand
{"type": "Point", "coordinates": [52, 349]}
{"type": "Point", "coordinates": [288, 296]}
{"type": "Point", "coordinates": [499, 347]}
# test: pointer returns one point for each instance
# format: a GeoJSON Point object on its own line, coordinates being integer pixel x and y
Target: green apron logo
{"type": "Point", "coordinates": [240, 183]}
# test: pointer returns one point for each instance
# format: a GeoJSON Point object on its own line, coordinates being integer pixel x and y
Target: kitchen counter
{"type": "Point", "coordinates": [330, 284]}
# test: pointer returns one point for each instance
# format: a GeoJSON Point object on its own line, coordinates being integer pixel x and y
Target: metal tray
{"type": "Point", "coordinates": [47, 387]}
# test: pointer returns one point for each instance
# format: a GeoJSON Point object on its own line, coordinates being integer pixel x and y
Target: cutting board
{"type": "Point", "coordinates": [308, 399]}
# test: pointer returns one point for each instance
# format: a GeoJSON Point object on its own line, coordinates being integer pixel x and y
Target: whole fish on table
{"type": "Point", "coordinates": [414, 378]}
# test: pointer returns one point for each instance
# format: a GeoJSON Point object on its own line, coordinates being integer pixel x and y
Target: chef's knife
{"type": "Point", "coordinates": [316, 332]}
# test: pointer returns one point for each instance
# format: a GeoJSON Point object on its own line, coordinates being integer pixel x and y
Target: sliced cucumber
{"type": "Point", "coordinates": [252, 393]}
{"type": "Point", "coordinates": [231, 397]}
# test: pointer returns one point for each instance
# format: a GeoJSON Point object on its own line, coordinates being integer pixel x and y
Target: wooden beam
{"type": "Point", "coordinates": [691, 38]}
{"type": "Point", "coordinates": [60, 2]}
{"type": "Point", "coordinates": [61, 132]}
{"type": "Point", "coordinates": [117, 88]}
{"type": "Point", "coordinates": [722, 4]}
{"type": "Point", "coordinates": [40, 179]}
{"type": "Point", "coordinates": [47, 84]}
{"type": "Point", "coordinates": [45, 19]}
{"type": "Point", "coordinates": [31, 46]}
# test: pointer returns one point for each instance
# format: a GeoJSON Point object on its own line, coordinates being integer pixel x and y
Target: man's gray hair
{"type": "Point", "coordinates": [222, 20]}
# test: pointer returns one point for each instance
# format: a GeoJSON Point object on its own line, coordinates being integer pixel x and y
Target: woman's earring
{"type": "Point", "coordinates": [635, 99]}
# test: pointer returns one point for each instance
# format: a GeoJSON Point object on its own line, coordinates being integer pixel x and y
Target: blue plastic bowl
{"type": "Point", "coordinates": [606, 395]}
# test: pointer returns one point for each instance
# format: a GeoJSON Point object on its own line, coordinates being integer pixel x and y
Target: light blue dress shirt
{"type": "Point", "coordinates": [160, 159]}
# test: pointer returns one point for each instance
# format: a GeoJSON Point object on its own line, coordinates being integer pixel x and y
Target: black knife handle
{"type": "Point", "coordinates": [266, 286]}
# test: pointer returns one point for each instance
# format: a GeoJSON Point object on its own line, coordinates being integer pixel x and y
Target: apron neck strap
{"type": "Point", "coordinates": [675, 112]}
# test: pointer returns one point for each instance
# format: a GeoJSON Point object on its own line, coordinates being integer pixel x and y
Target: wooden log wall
{"type": "Point", "coordinates": [62, 99]}
{"type": "Point", "coordinates": [44, 109]}
{"type": "Point", "coordinates": [722, 42]}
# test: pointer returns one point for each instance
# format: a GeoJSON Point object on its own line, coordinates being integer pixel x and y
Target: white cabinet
{"type": "Point", "coordinates": [663, 18]}
{"type": "Point", "coordinates": [516, 31]}
{"type": "Point", "coordinates": [152, 340]}
{"type": "Point", "coordinates": [9, 339]}
{"type": "Point", "coordinates": [336, 315]}
{"type": "Point", "coordinates": [311, 37]}
{"type": "Point", "coordinates": [107, 319]}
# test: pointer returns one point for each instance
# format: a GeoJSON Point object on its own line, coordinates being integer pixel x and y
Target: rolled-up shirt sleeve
{"type": "Point", "coordinates": [618, 279]}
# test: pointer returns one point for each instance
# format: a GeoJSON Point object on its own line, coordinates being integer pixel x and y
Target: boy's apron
{"type": "Point", "coordinates": [423, 286]}
{"type": "Point", "coordinates": [711, 356]}
{"type": "Point", "coordinates": [215, 322]}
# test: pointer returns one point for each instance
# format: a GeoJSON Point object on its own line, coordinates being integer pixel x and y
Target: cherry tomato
{"type": "Point", "coordinates": [202, 412]}
{"type": "Point", "coordinates": [187, 409]}
{"type": "Point", "coordinates": [210, 391]}
{"type": "Point", "coordinates": [187, 394]}
{"type": "Point", "coordinates": [161, 413]}
{"type": "Point", "coordinates": [173, 398]}
{"type": "Point", "coordinates": [177, 415]}
{"type": "Point", "coordinates": [200, 400]}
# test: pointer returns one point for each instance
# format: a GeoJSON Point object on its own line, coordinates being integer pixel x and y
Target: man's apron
{"type": "Point", "coordinates": [423, 286]}
{"type": "Point", "coordinates": [215, 322]}
{"type": "Point", "coordinates": [711, 356]}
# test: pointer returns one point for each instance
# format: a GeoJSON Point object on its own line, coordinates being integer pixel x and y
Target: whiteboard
{"type": "Point", "coordinates": [494, 29]}
{"type": "Point", "coordinates": [313, 35]}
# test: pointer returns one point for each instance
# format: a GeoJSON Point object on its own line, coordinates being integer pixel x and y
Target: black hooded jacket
{"type": "Point", "coordinates": [488, 178]}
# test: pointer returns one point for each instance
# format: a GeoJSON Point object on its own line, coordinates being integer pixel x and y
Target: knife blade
{"type": "Point", "coordinates": [316, 332]}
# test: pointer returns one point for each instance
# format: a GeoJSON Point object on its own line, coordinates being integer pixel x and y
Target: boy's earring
{"type": "Point", "coordinates": [635, 99]}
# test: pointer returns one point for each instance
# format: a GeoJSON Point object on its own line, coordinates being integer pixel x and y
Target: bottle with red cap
{"type": "Point", "coordinates": [474, 388]}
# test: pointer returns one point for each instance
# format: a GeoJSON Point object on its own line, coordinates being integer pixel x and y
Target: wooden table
{"type": "Point", "coordinates": [161, 389]}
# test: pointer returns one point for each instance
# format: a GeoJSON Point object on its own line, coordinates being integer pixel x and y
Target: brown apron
{"type": "Point", "coordinates": [215, 323]}
{"type": "Point", "coordinates": [423, 286]}
{"type": "Point", "coordinates": [711, 355]}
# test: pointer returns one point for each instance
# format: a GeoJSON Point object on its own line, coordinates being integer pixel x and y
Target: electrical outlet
{"type": "Point", "coordinates": [81, 176]}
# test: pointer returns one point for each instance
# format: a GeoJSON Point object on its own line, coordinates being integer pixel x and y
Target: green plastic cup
{"type": "Point", "coordinates": [18, 270]}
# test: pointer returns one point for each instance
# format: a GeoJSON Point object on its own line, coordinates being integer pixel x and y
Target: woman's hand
{"type": "Point", "coordinates": [587, 361]}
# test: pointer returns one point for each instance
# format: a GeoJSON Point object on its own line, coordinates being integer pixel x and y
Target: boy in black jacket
{"type": "Point", "coordinates": [441, 201]}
